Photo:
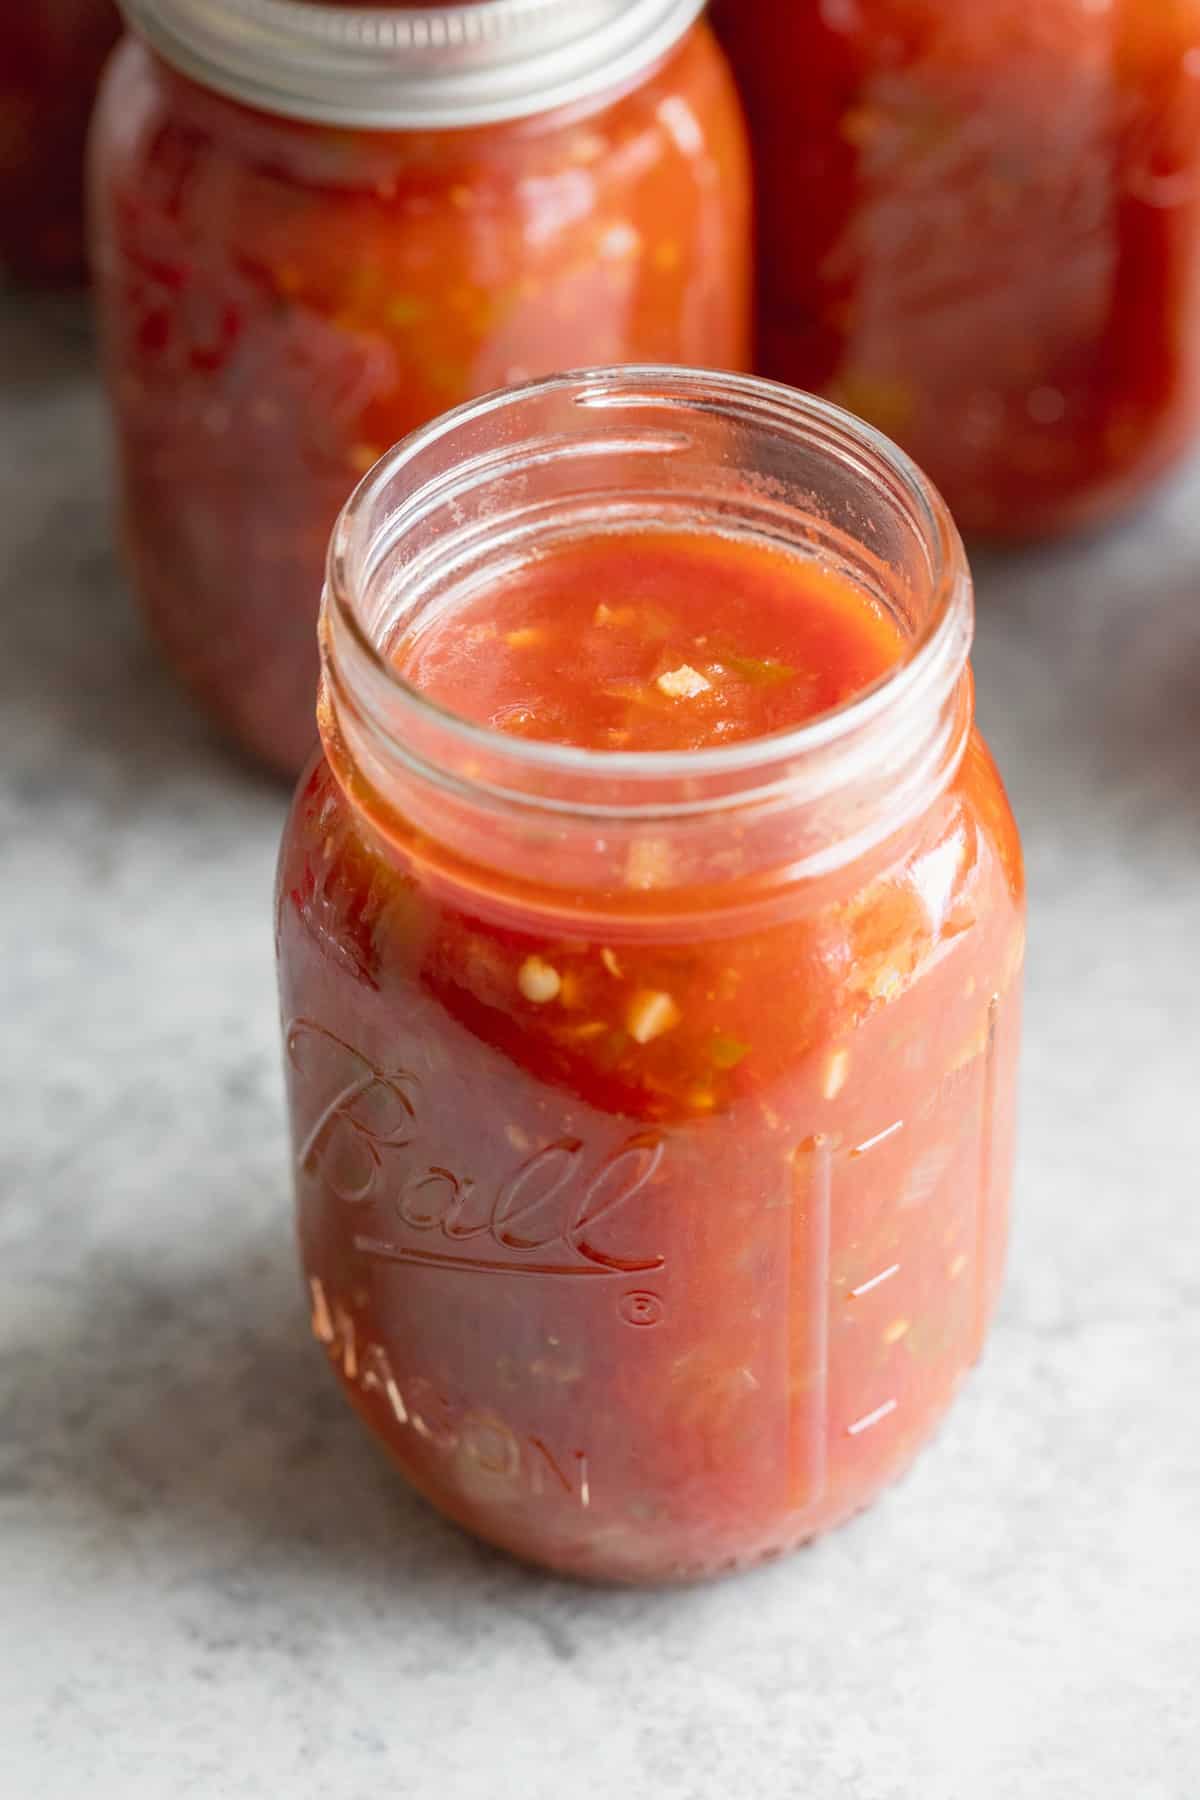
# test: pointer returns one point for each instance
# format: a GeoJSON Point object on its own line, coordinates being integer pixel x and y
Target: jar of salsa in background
{"type": "Point", "coordinates": [650, 936]}
{"type": "Point", "coordinates": [51, 55]}
{"type": "Point", "coordinates": [315, 230]}
{"type": "Point", "coordinates": [980, 228]}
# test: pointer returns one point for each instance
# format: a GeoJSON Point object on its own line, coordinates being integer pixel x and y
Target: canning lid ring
{"type": "Point", "coordinates": [404, 68]}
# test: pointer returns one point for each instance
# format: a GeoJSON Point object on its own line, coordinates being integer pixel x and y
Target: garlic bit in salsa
{"type": "Point", "coordinates": [539, 981]}
{"type": "Point", "coordinates": [683, 683]}
{"type": "Point", "coordinates": [650, 1014]}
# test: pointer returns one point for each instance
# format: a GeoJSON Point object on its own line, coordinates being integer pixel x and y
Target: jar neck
{"type": "Point", "coordinates": [400, 68]}
{"type": "Point", "coordinates": [468, 499]}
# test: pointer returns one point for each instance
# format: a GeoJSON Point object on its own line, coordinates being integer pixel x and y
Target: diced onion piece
{"type": "Point", "coordinates": [525, 637]}
{"type": "Point", "coordinates": [539, 981]}
{"type": "Point", "coordinates": [837, 1067]}
{"type": "Point", "coordinates": [651, 1013]}
{"type": "Point", "coordinates": [609, 959]}
{"type": "Point", "coordinates": [683, 683]}
{"type": "Point", "coordinates": [615, 618]}
{"type": "Point", "coordinates": [882, 984]}
{"type": "Point", "coordinates": [648, 863]}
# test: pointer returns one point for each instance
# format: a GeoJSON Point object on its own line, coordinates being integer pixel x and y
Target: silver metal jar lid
{"type": "Point", "coordinates": [408, 68]}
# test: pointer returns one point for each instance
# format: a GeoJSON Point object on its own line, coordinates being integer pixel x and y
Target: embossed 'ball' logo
{"type": "Point", "coordinates": [556, 1214]}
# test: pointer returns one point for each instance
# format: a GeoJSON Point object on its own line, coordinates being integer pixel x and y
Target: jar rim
{"type": "Point", "coordinates": [934, 657]}
{"type": "Point", "coordinates": [410, 68]}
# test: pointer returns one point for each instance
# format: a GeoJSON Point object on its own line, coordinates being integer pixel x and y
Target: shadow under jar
{"type": "Point", "coordinates": [652, 1110]}
{"type": "Point", "coordinates": [51, 56]}
{"type": "Point", "coordinates": [980, 225]}
{"type": "Point", "coordinates": [315, 228]}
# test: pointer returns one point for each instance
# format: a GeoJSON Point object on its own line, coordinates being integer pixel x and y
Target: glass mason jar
{"type": "Point", "coordinates": [313, 233]}
{"type": "Point", "coordinates": [51, 55]}
{"type": "Point", "coordinates": [646, 1311]}
{"type": "Point", "coordinates": [980, 229]}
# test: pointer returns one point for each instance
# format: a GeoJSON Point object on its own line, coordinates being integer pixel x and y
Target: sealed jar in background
{"type": "Point", "coordinates": [652, 1111]}
{"type": "Point", "coordinates": [315, 231]}
{"type": "Point", "coordinates": [51, 55]}
{"type": "Point", "coordinates": [980, 228]}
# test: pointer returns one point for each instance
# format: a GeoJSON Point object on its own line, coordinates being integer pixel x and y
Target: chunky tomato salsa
{"type": "Point", "coordinates": [980, 229]}
{"type": "Point", "coordinates": [282, 300]}
{"type": "Point", "coordinates": [653, 1228]}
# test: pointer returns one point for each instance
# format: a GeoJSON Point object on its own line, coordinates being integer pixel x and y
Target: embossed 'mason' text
{"type": "Point", "coordinates": [476, 1438]}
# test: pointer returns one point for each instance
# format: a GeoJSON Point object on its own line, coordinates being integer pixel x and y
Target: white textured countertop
{"type": "Point", "coordinates": [210, 1582]}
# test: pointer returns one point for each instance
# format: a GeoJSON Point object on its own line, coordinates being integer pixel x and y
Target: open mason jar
{"type": "Point", "coordinates": [980, 228]}
{"type": "Point", "coordinates": [316, 227]}
{"type": "Point", "coordinates": [652, 1112]}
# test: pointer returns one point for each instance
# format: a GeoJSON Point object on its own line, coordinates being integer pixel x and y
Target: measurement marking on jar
{"type": "Point", "coordinates": [881, 1137]}
{"type": "Point", "coordinates": [872, 1418]}
{"type": "Point", "coordinates": [875, 1281]}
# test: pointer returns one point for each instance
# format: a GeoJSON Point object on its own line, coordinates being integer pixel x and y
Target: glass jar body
{"type": "Point", "coordinates": [648, 1312]}
{"type": "Point", "coordinates": [51, 55]}
{"type": "Point", "coordinates": [281, 301]}
{"type": "Point", "coordinates": [980, 229]}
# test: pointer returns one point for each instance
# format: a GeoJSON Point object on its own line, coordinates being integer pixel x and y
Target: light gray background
{"type": "Point", "coordinates": [210, 1584]}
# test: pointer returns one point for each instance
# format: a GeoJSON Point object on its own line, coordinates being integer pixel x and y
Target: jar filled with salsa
{"type": "Point", "coordinates": [980, 225]}
{"type": "Point", "coordinates": [318, 227]}
{"type": "Point", "coordinates": [650, 934]}
{"type": "Point", "coordinates": [51, 55]}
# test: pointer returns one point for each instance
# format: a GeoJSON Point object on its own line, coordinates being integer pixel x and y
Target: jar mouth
{"type": "Point", "coordinates": [410, 68]}
{"type": "Point", "coordinates": [392, 497]}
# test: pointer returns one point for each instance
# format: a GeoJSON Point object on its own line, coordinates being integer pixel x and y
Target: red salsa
{"type": "Point", "coordinates": [654, 640]}
{"type": "Point", "coordinates": [282, 300]}
{"type": "Point", "coordinates": [51, 55]}
{"type": "Point", "coordinates": [652, 1226]}
{"type": "Point", "coordinates": [980, 229]}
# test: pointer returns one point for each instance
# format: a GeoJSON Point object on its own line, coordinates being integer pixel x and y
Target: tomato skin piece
{"type": "Point", "coordinates": [980, 229]}
{"type": "Point", "coordinates": [281, 302]}
{"type": "Point", "coordinates": [654, 1244]}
